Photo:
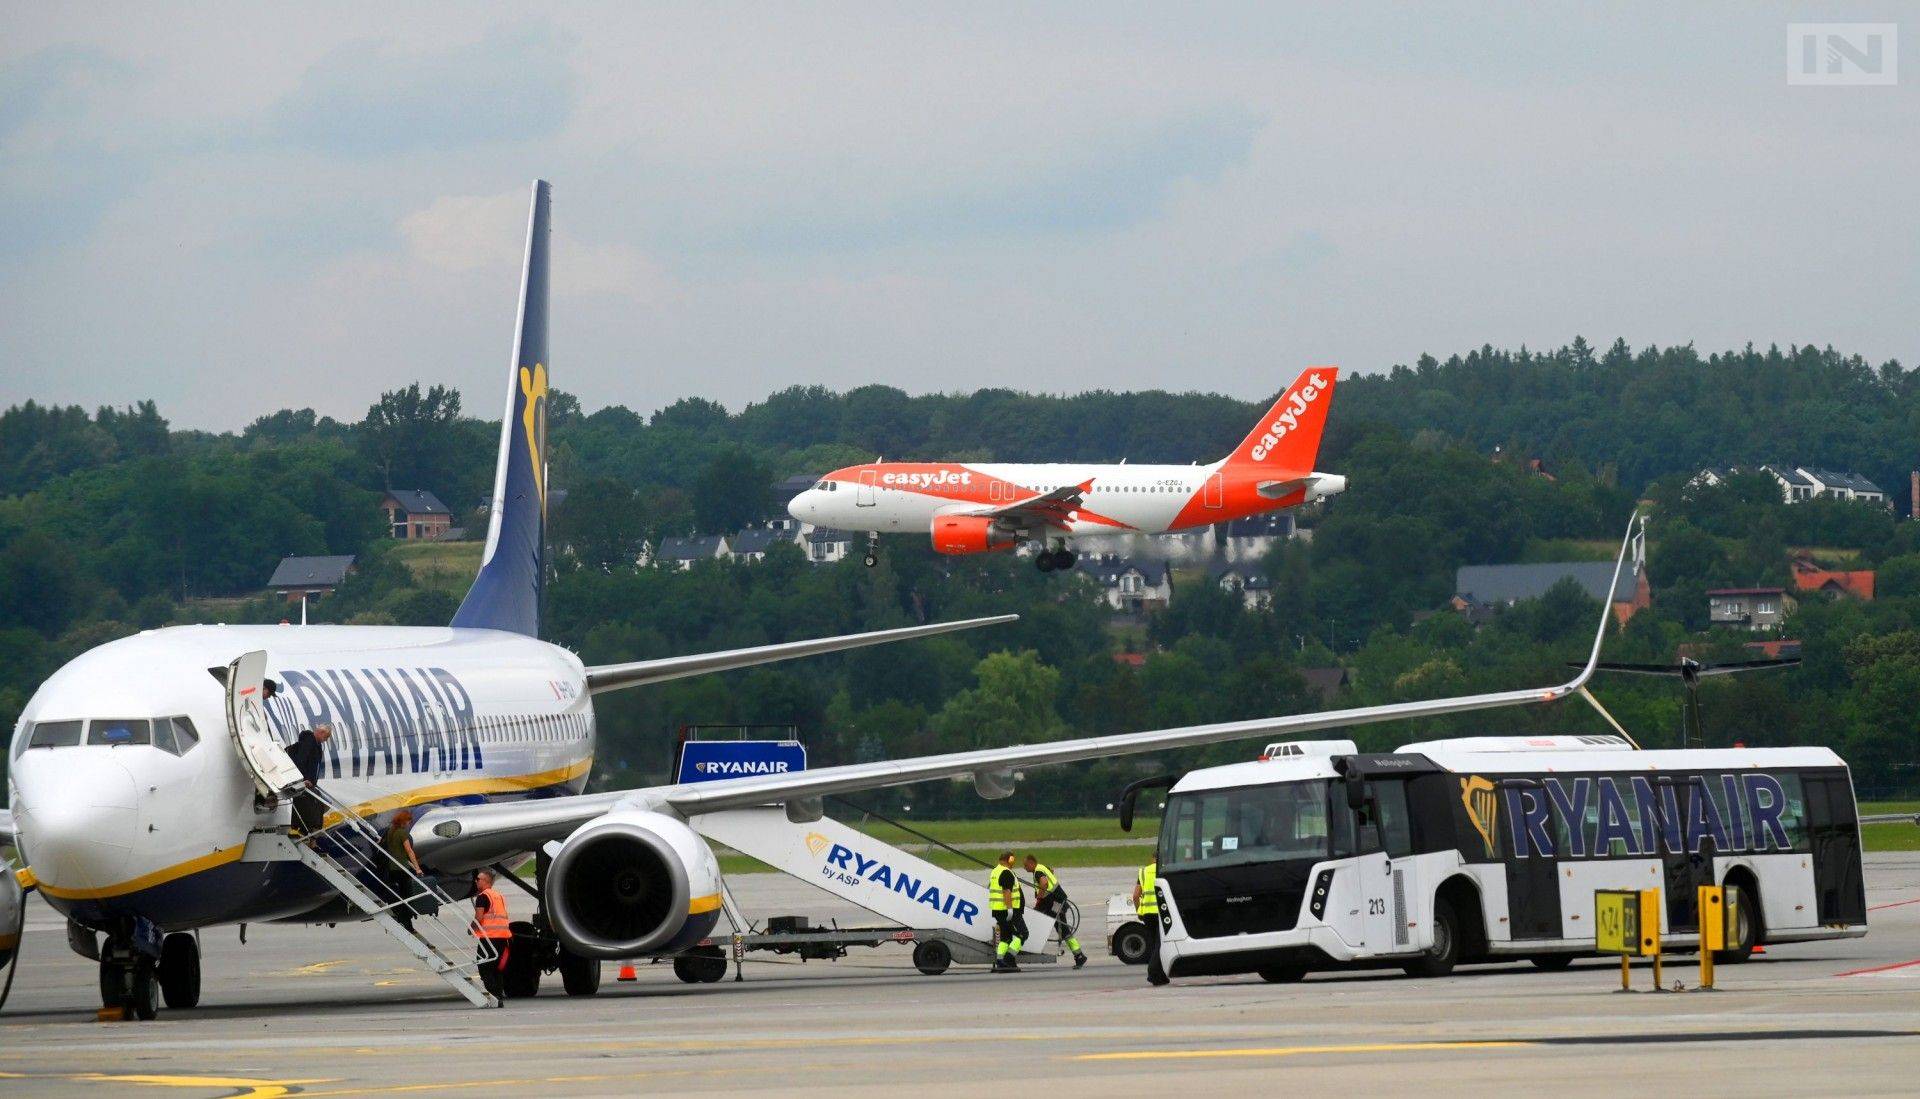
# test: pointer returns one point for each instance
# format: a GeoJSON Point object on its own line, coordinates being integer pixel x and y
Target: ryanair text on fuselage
{"type": "Point", "coordinates": [386, 721]}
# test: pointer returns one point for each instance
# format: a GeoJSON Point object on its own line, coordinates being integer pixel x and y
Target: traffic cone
{"type": "Point", "coordinates": [627, 973]}
{"type": "Point", "coordinates": [1758, 949]}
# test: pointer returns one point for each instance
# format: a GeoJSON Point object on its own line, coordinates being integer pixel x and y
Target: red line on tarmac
{"type": "Point", "coordinates": [1894, 904]}
{"type": "Point", "coordinates": [1878, 968]}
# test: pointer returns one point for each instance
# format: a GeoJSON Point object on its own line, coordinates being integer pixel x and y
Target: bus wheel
{"type": "Point", "coordinates": [1441, 957]}
{"type": "Point", "coordinates": [1551, 962]}
{"type": "Point", "coordinates": [1282, 974]}
{"type": "Point", "coordinates": [1746, 926]}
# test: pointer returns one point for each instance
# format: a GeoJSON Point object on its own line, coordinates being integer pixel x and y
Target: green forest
{"type": "Point", "coordinates": [112, 521]}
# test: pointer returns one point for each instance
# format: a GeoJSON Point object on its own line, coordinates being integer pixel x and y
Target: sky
{"type": "Point", "coordinates": [236, 208]}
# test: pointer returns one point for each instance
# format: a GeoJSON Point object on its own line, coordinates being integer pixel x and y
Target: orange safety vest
{"type": "Point", "coordinates": [492, 924]}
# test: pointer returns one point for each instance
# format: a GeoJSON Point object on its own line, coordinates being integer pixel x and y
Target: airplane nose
{"type": "Point", "coordinates": [79, 825]}
{"type": "Point", "coordinates": [803, 506]}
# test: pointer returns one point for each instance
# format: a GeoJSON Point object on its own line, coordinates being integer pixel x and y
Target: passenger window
{"type": "Point", "coordinates": [117, 731]}
{"type": "Point", "coordinates": [184, 735]}
{"type": "Point", "coordinates": [56, 734]}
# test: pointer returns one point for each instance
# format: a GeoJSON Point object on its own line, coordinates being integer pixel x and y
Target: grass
{"type": "Point", "coordinates": [1893, 836]}
{"type": "Point", "coordinates": [447, 566]}
{"type": "Point", "coordinates": [1874, 808]}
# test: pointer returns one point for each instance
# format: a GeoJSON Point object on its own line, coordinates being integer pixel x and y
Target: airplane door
{"type": "Point", "coordinates": [1216, 492]}
{"type": "Point", "coordinates": [864, 495]}
{"type": "Point", "coordinates": [260, 753]}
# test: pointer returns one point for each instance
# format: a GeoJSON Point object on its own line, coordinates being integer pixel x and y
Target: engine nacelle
{"type": "Point", "coordinates": [969, 534]}
{"type": "Point", "coordinates": [633, 882]}
{"type": "Point", "coordinates": [13, 913]}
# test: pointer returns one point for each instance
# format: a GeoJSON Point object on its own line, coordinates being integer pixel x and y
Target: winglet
{"type": "Point", "coordinates": [1606, 615]}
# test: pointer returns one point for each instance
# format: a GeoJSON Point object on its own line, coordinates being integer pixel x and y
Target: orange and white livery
{"type": "Point", "coordinates": [971, 507]}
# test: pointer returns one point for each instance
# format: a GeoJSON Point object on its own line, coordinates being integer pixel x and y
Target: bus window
{"type": "Point", "coordinates": [1396, 825]}
{"type": "Point", "coordinates": [1795, 818]}
{"type": "Point", "coordinates": [1246, 825]}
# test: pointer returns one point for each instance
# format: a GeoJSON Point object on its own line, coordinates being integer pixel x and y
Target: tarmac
{"type": "Point", "coordinates": [337, 1011]}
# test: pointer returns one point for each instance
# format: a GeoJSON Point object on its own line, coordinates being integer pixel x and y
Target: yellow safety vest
{"type": "Point", "coordinates": [996, 903]}
{"type": "Point", "coordinates": [1053, 879]}
{"type": "Point", "coordinates": [1149, 900]}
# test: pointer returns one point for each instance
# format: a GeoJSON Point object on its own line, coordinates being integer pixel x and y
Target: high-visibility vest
{"type": "Point", "coordinates": [1149, 900]}
{"type": "Point", "coordinates": [997, 903]}
{"type": "Point", "coordinates": [1053, 879]}
{"type": "Point", "coordinates": [492, 924]}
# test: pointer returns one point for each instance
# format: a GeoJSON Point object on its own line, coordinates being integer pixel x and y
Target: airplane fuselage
{"type": "Point", "coordinates": [1149, 499]}
{"type": "Point", "coordinates": [421, 717]}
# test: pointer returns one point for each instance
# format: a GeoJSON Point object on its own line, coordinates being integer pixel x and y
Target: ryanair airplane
{"type": "Point", "coordinates": [137, 777]}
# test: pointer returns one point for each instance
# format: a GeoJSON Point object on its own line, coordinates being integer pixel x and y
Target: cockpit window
{"type": "Point", "coordinates": [120, 730]}
{"type": "Point", "coordinates": [55, 734]}
{"type": "Point", "coordinates": [184, 735]}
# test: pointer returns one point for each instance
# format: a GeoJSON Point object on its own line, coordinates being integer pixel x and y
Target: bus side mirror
{"type": "Point", "coordinates": [1356, 791]}
{"type": "Point", "coordinates": [1131, 795]}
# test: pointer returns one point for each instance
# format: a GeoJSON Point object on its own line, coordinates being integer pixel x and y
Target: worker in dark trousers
{"type": "Point", "coordinates": [494, 934]}
{"type": "Point", "coordinates": [1050, 899]}
{"type": "Point", "coordinates": [308, 753]}
{"type": "Point", "coordinates": [1146, 905]}
{"type": "Point", "coordinates": [1007, 901]}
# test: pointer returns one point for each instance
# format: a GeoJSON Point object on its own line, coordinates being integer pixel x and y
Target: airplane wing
{"type": "Point", "coordinates": [614, 677]}
{"type": "Point", "coordinates": [465, 834]}
{"type": "Point", "coordinates": [1046, 509]}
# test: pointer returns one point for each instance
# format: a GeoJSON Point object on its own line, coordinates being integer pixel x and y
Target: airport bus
{"type": "Point", "coordinates": [1486, 849]}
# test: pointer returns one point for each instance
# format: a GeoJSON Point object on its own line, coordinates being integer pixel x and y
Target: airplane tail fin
{"type": "Point", "coordinates": [507, 592]}
{"type": "Point", "coordinates": [1287, 439]}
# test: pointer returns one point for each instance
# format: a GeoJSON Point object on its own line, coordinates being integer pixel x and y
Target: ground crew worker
{"type": "Point", "coordinates": [1050, 899]}
{"type": "Point", "coordinates": [491, 928]}
{"type": "Point", "coordinates": [1146, 905]}
{"type": "Point", "coordinates": [1007, 900]}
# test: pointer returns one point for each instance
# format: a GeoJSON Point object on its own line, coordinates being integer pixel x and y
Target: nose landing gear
{"type": "Point", "coordinates": [873, 549]}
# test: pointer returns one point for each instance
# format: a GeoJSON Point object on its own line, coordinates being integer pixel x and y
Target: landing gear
{"type": "Point", "coordinates": [579, 976]}
{"type": "Point", "coordinates": [873, 549]}
{"type": "Point", "coordinates": [179, 970]}
{"type": "Point", "coordinates": [1058, 559]}
{"type": "Point", "coordinates": [537, 951]}
{"type": "Point", "coordinates": [130, 985]}
{"type": "Point", "coordinates": [703, 965]}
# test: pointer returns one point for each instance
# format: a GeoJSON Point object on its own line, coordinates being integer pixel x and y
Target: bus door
{"type": "Point", "coordinates": [1533, 881]}
{"type": "Point", "coordinates": [1683, 872]}
{"type": "Point", "coordinates": [1394, 821]}
{"type": "Point", "coordinates": [1839, 888]}
{"type": "Point", "coordinates": [1360, 908]}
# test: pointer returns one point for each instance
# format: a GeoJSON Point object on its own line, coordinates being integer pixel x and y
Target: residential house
{"type": "Point", "coordinates": [1799, 483]}
{"type": "Point", "coordinates": [1130, 585]}
{"type": "Point", "coordinates": [297, 578]}
{"type": "Point", "coordinates": [414, 513]}
{"type": "Point", "coordinates": [1479, 591]}
{"type": "Point", "coordinates": [752, 544]}
{"type": "Point", "coordinates": [1251, 539]}
{"type": "Point", "coordinates": [1245, 580]}
{"type": "Point", "coordinates": [1748, 608]}
{"type": "Point", "coordinates": [1851, 584]}
{"type": "Point", "coordinates": [1325, 683]}
{"type": "Point", "coordinates": [825, 546]}
{"type": "Point", "coordinates": [683, 553]}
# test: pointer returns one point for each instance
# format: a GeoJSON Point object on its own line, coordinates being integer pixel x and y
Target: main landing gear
{"type": "Point", "coordinates": [1057, 559]}
{"type": "Point", "coordinates": [873, 549]}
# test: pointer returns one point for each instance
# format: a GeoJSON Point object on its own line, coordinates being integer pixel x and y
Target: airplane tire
{"type": "Point", "coordinates": [579, 976]}
{"type": "Point", "coordinates": [143, 993]}
{"type": "Point", "coordinates": [113, 984]}
{"type": "Point", "coordinates": [869, 560]}
{"type": "Point", "coordinates": [180, 970]}
{"type": "Point", "coordinates": [1043, 561]}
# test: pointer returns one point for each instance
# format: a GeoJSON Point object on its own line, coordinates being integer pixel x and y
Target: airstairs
{"type": "Point", "coordinates": [347, 855]}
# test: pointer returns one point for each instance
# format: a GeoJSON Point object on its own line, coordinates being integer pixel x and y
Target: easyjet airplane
{"type": "Point", "coordinates": [983, 507]}
{"type": "Point", "coordinates": [139, 782]}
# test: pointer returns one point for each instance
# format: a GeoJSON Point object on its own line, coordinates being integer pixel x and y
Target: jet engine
{"type": "Point", "coordinates": [969, 534]}
{"type": "Point", "coordinates": [632, 882]}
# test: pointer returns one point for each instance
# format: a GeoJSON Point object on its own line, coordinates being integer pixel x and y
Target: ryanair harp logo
{"type": "Point", "coordinates": [817, 843]}
{"type": "Point", "coordinates": [533, 417]}
{"type": "Point", "coordinates": [1483, 809]}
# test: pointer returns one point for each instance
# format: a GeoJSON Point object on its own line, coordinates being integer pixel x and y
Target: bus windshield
{"type": "Point", "coordinates": [1246, 824]}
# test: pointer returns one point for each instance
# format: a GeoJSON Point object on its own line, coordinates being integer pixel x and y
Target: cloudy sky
{"type": "Point", "coordinates": [234, 208]}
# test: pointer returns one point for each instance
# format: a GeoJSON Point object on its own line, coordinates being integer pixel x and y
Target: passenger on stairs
{"type": "Point", "coordinates": [398, 842]}
{"type": "Point", "coordinates": [307, 754]}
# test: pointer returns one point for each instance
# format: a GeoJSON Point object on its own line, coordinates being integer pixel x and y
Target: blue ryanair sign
{"type": "Point", "coordinates": [1599, 815]}
{"type": "Point", "coordinates": [708, 760]}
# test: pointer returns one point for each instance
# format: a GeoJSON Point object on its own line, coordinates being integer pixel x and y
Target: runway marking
{"type": "Point", "coordinates": [244, 1088]}
{"type": "Point", "coordinates": [1286, 1051]}
{"type": "Point", "coordinates": [318, 968]}
{"type": "Point", "coordinates": [1877, 968]}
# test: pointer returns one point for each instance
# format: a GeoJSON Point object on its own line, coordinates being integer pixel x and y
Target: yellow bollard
{"type": "Point", "coordinates": [1713, 930]}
